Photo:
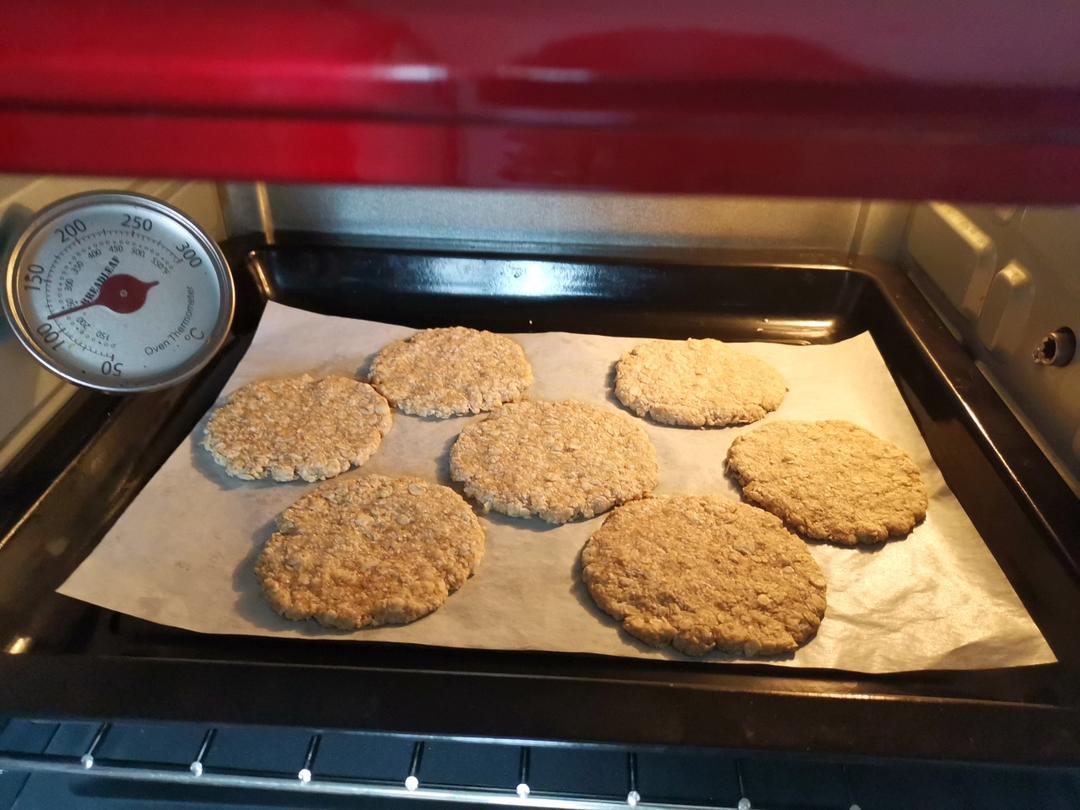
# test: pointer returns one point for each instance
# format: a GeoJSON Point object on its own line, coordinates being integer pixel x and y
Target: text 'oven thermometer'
{"type": "Point", "coordinates": [118, 292]}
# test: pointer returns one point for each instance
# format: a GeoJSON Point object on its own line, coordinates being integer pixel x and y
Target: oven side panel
{"type": "Point", "coordinates": [1005, 278]}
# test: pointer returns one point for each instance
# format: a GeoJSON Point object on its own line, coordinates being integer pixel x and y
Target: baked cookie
{"type": "Point", "coordinates": [298, 427]}
{"type": "Point", "coordinates": [830, 480]}
{"type": "Point", "coordinates": [703, 573]}
{"type": "Point", "coordinates": [452, 371]}
{"type": "Point", "coordinates": [370, 550]}
{"type": "Point", "coordinates": [557, 460]}
{"type": "Point", "coordinates": [697, 383]}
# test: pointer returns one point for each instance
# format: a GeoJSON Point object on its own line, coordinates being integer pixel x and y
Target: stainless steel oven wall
{"type": "Point", "coordinates": [1004, 278]}
{"type": "Point", "coordinates": [31, 394]}
{"type": "Point", "coordinates": [560, 223]}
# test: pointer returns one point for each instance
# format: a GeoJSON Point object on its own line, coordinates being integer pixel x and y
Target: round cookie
{"type": "Point", "coordinates": [697, 383]}
{"type": "Point", "coordinates": [703, 573]}
{"type": "Point", "coordinates": [298, 427]}
{"type": "Point", "coordinates": [368, 551]}
{"type": "Point", "coordinates": [557, 460]}
{"type": "Point", "coordinates": [452, 371]}
{"type": "Point", "coordinates": [830, 480]}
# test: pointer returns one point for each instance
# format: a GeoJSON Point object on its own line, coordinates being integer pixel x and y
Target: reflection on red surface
{"type": "Point", "coordinates": [693, 53]}
{"type": "Point", "coordinates": [769, 97]}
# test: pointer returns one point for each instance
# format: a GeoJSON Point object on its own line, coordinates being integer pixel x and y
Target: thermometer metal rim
{"type": "Point", "coordinates": [77, 202]}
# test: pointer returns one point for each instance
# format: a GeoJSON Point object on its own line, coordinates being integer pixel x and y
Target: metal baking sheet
{"type": "Point", "coordinates": [183, 552]}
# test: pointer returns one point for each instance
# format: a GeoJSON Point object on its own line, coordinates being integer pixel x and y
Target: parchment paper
{"type": "Point", "coordinates": [182, 554]}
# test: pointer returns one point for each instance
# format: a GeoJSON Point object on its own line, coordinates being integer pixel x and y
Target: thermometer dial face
{"type": "Point", "coordinates": [118, 292]}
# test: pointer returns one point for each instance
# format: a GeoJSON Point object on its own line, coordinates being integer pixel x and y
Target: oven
{"type": "Point", "coordinates": [772, 176]}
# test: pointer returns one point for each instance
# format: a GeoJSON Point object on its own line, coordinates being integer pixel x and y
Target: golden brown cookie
{"type": "Point", "coordinates": [697, 383]}
{"type": "Point", "coordinates": [703, 573]}
{"type": "Point", "coordinates": [297, 427]}
{"type": "Point", "coordinates": [370, 550]}
{"type": "Point", "coordinates": [452, 371]}
{"type": "Point", "coordinates": [830, 480]}
{"type": "Point", "coordinates": [557, 460]}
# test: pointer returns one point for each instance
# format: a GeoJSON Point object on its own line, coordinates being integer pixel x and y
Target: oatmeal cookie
{"type": "Point", "coordinates": [452, 371]}
{"type": "Point", "coordinates": [705, 573]}
{"type": "Point", "coordinates": [298, 427]}
{"type": "Point", "coordinates": [558, 460]}
{"type": "Point", "coordinates": [370, 550]}
{"type": "Point", "coordinates": [697, 383]}
{"type": "Point", "coordinates": [830, 480]}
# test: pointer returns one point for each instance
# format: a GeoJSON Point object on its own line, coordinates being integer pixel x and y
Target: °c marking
{"type": "Point", "coordinates": [194, 333]}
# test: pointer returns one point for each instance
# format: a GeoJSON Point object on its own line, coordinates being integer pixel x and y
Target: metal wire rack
{"type": "Point", "coordinates": [496, 773]}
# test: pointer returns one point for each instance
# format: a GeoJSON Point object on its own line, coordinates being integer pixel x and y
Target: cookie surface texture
{"type": "Point", "coordinates": [297, 427]}
{"type": "Point", "coordinates": [368, 551]}
{"type": "Point", "coordinates": [697, 383]}
{"type": "Point", "coordinates": [556, 460]}
{"type": "Point", "coordinates": [451, 371]}
{"type": "Point", "coordinates": [705, 573]}
{"type": "Point", "coordinates": [830, 480]}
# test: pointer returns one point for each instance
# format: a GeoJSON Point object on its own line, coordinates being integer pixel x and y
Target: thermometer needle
{"type": "Point", "coordinates": [120, 293]}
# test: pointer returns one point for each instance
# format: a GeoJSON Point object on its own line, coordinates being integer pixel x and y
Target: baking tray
{"type": "Point", "coordinates": [72, 482]}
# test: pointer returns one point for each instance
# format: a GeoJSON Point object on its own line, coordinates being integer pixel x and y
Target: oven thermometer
{"type": "Point", "coordinates": [118, 292]}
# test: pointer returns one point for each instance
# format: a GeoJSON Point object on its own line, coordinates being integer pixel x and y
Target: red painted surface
{"type": "Point", "coordinates": [914, 99]}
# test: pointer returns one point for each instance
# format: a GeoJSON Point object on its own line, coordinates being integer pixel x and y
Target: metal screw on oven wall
{"type": "Point", "coordinates": [1057, 348]}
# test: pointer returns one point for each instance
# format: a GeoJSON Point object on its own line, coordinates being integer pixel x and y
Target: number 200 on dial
{"type": "Point", "coordinates": [118, 292]}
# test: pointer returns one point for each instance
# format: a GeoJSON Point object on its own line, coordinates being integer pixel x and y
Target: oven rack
{"type": "Point", "coordinates": [307, 778]}
{"type": "Point", "coordinates": [308, 763]}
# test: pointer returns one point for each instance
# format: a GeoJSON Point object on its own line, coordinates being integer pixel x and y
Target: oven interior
{"type": "Point", "coordinates": [957, 298]}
